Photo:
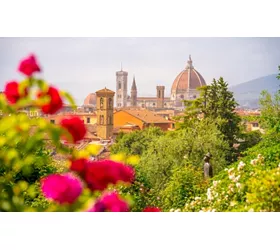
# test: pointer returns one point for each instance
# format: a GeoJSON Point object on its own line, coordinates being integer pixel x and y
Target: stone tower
{"type": "Point", "coordinates": [160, 96]}
{"type": "Point", "coordinates": [133, 93]}
{"type": "Point", "coordinates": [121, 88]}
{"type": "Point", "coordinates": [105, 113]}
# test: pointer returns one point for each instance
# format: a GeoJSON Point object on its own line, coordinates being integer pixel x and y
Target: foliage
{"type": "Point", "coordinates": [251, 118]}
{"type": "Point", "coordinates": [264, 191]}
{"type": "Point", "coordinates": [139, 191]}
{"type": "Point", "coordinates": [179, 148]}
{"type": "Point", "coordinates": [248, 140]}
{"type": "Point", "coordinates": [136, 143]}
{"type": "Point", "coordinates": [252, 184]}
{"type": "Point", "coordinates": [185, 182]}
{"type": "Point", "coordinates": [270, 111]}
{"type": "Point", "coordinates": [216, 103]}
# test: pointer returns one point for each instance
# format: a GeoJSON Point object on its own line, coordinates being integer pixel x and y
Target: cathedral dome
{"type": "Point", "coordinates": [188, 79]}
{"type": "Point", "coordinates": [90, 99]}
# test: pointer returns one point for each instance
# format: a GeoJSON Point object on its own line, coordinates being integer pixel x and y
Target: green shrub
{"type": "Point", "coordinates": [184, 184]}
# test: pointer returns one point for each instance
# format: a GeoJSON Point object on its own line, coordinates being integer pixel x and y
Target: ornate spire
{"type": "Point", "coordinates": [189, 65]}
{"type": "Point", "coordinates": [133, 87]}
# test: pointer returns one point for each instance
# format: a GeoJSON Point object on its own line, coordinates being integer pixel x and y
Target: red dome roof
{"type": "Point", "coordinates": [189, 78]}
{"type": "Point", "coordinates": [90, 99]}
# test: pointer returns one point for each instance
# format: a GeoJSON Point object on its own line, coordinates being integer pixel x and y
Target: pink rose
{"type": "Point", "coordinates": [62, 188]}
{"type": "Point", "coordinates": [110, 202]}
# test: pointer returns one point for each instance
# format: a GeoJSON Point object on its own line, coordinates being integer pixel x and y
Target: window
{"type": "Point", "coordinates": [102, 119]}
{"type": "Point", "coordinates": [53, 121]}
{"type": "Point", "coordinates": [88, 119]}
{"type": "Point", "coordinates": [143, 105]}
{"type": "Point", "coordinates": [120, 85]}
{"type": "Point", "coordinates": [110, 103]}
{"type": "Point", "coordinates": [255, 124]}
{"type": "Point", "coordinates": [165, 104]}
{"type": "Point", "coordinates": [101, 102]}
{"type": "Point", "coordinates": [154, 104]}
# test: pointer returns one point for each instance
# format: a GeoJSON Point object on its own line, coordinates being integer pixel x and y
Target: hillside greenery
{"type": "Point", "coordinates": [170, 170]}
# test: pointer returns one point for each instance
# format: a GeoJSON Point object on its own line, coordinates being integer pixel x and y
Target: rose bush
{"type": "Point", "coordinates": [29, 181]}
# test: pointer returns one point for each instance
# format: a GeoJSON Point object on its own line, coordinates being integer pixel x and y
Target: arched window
{"type": "Point", "coordinates": [120, 85]}
{"type": "Point", "coordinates": [101, 102]}
{"type": "Point", "coordinates": [110, 103]}
{"type": "Point", "coordinates": [102, 119]}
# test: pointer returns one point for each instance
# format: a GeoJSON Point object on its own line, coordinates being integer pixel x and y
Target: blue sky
{"type": "Point", "coordinates": [84, 65]}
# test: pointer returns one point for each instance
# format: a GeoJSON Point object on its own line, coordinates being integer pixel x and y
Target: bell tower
{"type": "Point", "coordinates": [160, 96]}
{"type": "Point", "coordinates": [105, 113]}
{"type": "Point", "coordinates": [121, 88]}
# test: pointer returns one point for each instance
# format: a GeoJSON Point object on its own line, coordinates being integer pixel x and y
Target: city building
{"type": "Point", "coordinates": [184, 87]}
{"type": "Point", "coordinates": [141, 118]}
{"type": "Point", "coordinates": [87, 118]}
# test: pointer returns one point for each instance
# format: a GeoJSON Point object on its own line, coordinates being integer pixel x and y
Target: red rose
{"type": "Point", "coordinates": [28, 66]}
{"type": "Point", "coordinates": [110, 202]}
{"type": "Point", "coordinates": [78, 165]}
{"type": "Point", "coordinates": [99, 174]}
{"type": "Point", "coordinates": [75, 127]}
{"type": "Point", "coordinates": [55, 103]}
{"type": "Point", "coordinates": [12, 92]}
{"type": "Point", "coordinates": [151, 209]}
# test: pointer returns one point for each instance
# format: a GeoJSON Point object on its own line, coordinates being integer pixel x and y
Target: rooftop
{"type": "Point", "coordinates": [146, 116]}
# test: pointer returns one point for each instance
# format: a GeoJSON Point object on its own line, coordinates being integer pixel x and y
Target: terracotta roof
{"type": "Point", "coordinates": [247, 112]}
{"type": "Point", "coordinates": [146, 116]}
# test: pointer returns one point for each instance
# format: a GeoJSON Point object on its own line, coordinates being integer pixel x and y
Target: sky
{"type": "Point", "coordinates": [85, 65]}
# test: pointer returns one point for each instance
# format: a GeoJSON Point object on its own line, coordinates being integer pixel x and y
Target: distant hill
{"type": "Point", "coordinates": [247, 94]}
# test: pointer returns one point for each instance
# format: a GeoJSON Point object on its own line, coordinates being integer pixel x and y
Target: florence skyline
{"type": "Point", "coordinates": [85, 65]}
